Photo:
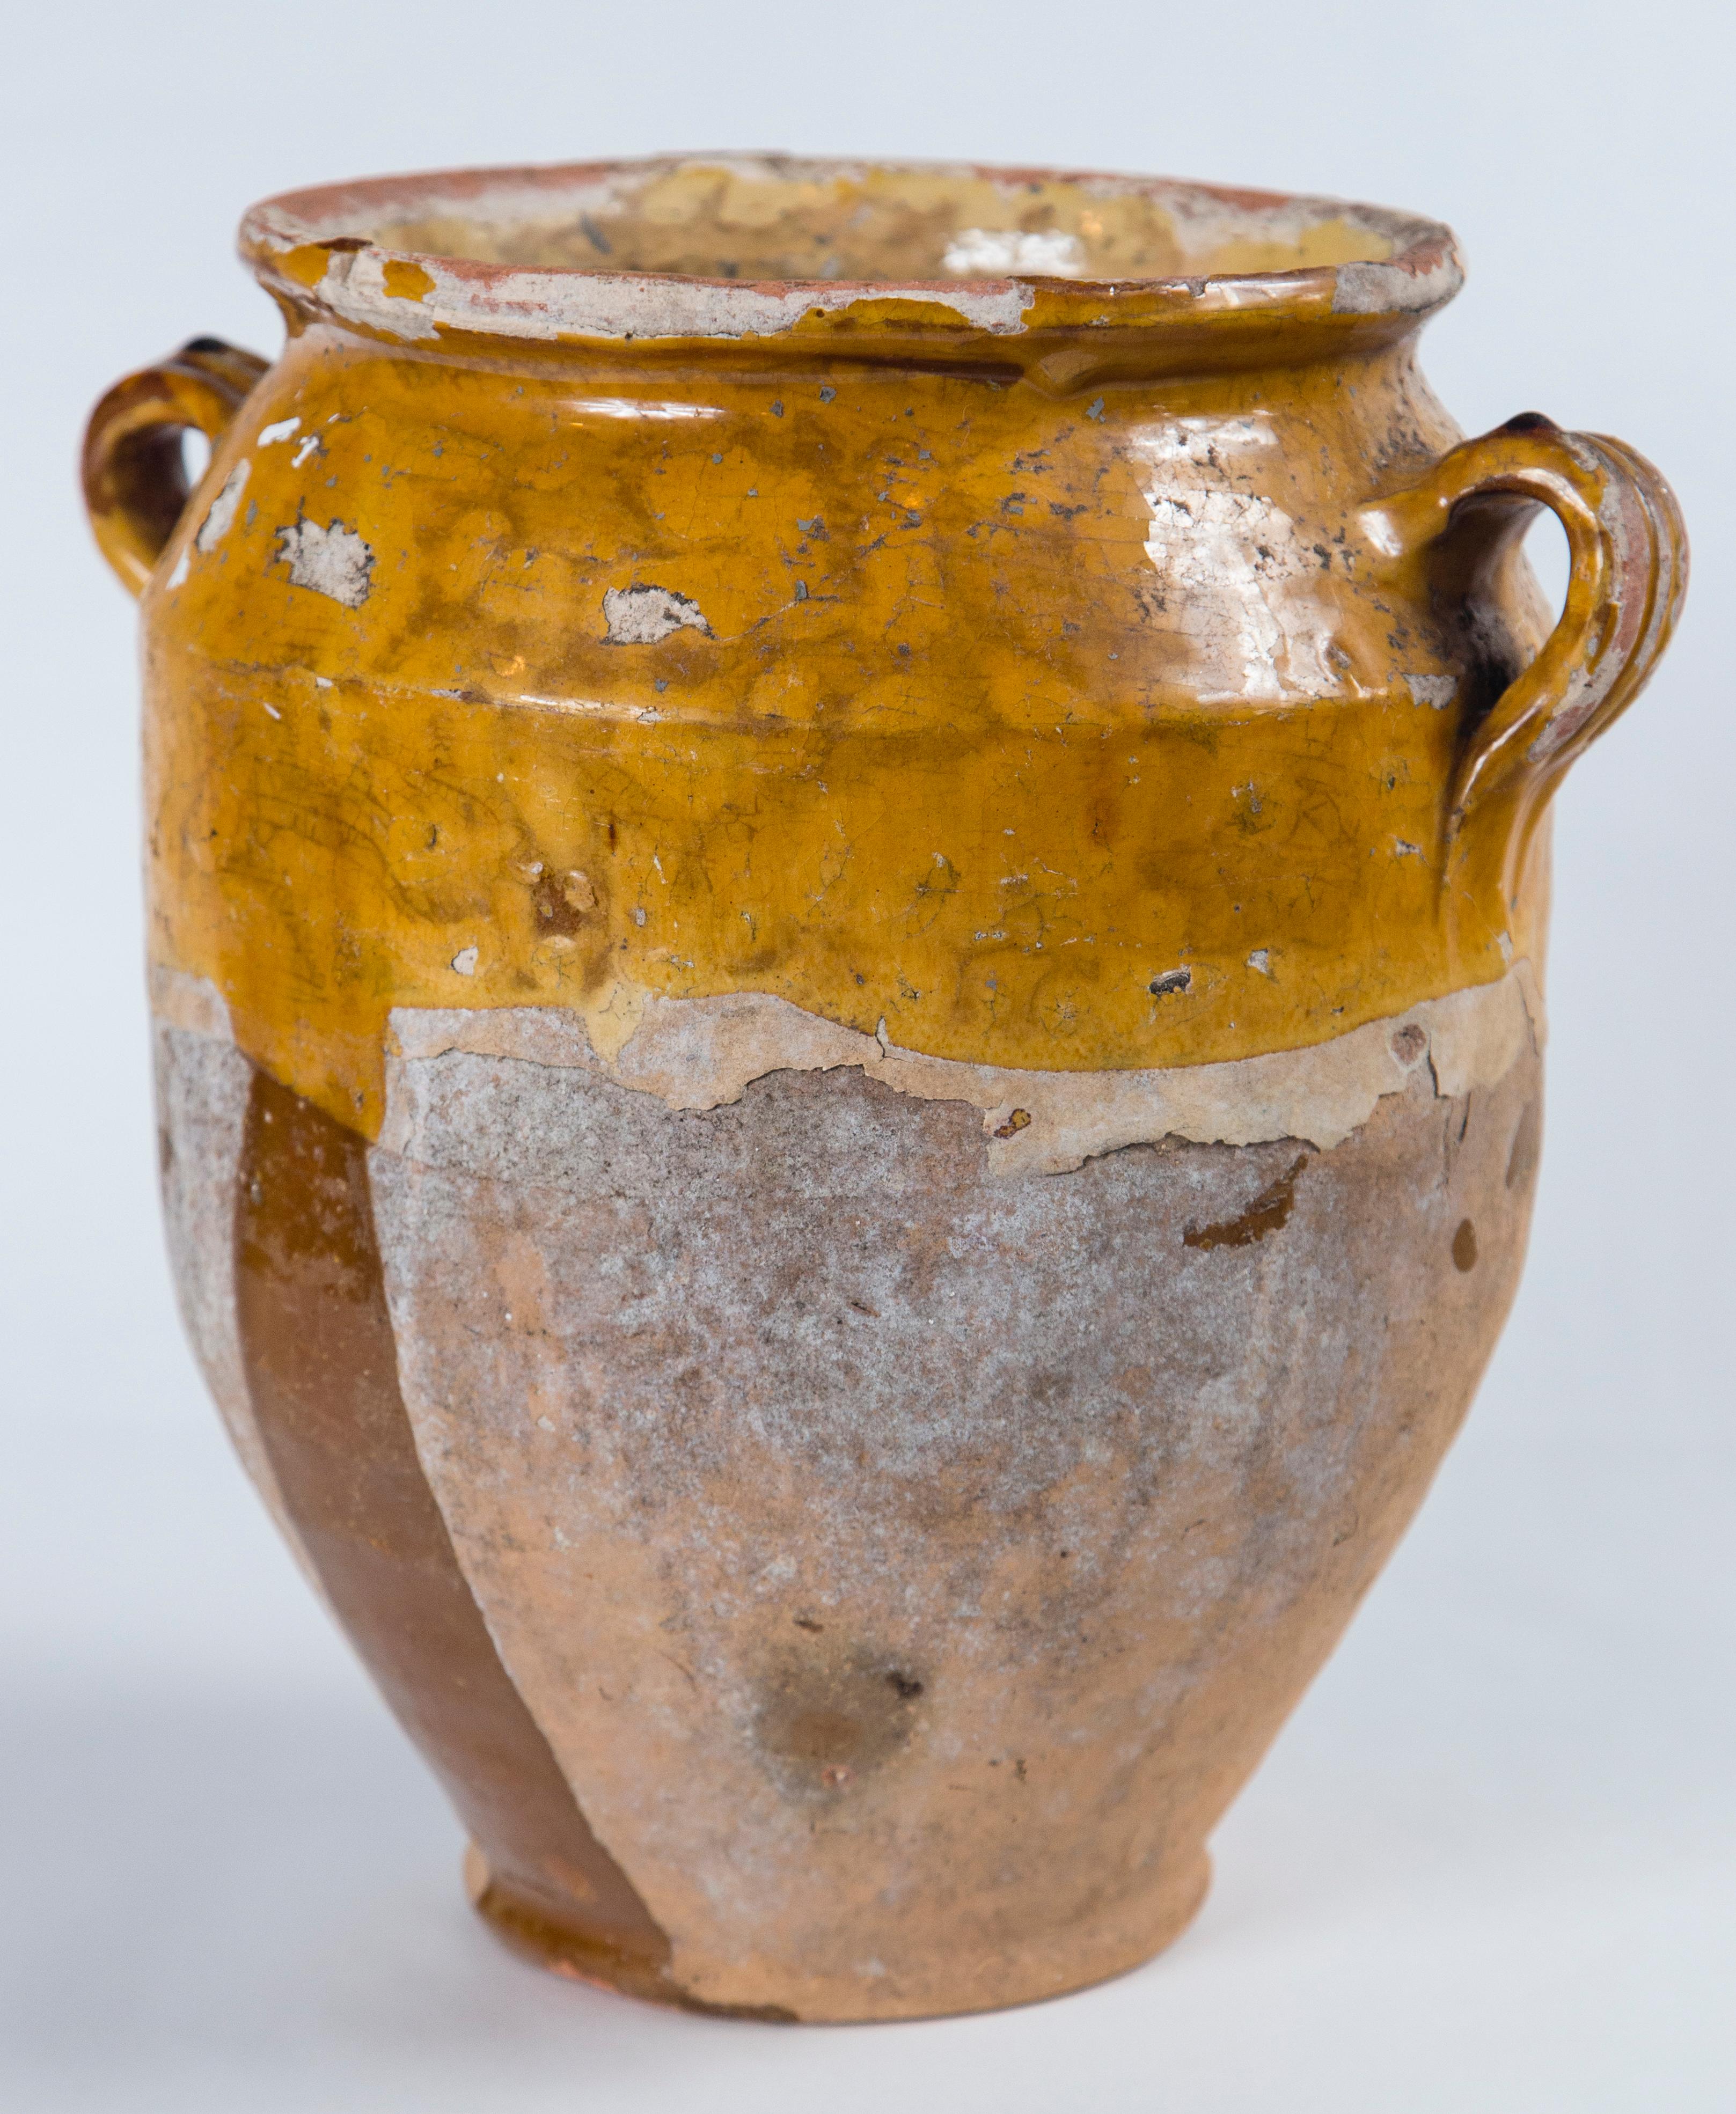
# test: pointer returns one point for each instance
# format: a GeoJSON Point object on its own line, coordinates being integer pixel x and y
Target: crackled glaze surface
{"type": "Point", "coordinates": [948, 706]}
{"type": "Point", "coordinates": [848, 870]}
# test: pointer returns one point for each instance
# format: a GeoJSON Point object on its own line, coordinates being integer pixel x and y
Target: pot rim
{"type": "Point", "coordinates": [327, 252]}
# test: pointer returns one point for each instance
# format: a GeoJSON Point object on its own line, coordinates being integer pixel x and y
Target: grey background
{"type": "Point", "coordinates": [1491, 1863]}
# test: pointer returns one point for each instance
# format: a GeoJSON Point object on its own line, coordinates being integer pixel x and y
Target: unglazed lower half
{"type": "Point", "coordinates": [843, 1545]}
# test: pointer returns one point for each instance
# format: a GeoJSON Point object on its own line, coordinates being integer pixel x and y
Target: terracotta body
{"type": "Point", "coordinates": [847, 904]}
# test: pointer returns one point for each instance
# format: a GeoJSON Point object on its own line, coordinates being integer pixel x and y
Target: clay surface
{"type": "Point", "coordinates": [906, 1565]}
{"type": "Point", "coordinates": [871, 1572]}
{"type": "Point", "coordinates": [320, 1369]}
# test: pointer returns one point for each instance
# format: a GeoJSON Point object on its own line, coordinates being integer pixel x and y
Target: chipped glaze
{"type": "Point", "coordinates": [703, 1052]}
{"type": "Point", "coordinates": [848, 882]}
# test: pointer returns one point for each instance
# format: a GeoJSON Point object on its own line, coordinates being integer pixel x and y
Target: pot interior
{"type": "Point", "coordinates": [771, 218]}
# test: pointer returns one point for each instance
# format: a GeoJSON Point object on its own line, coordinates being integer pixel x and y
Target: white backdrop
{"type": "Point", "coordinates": [1491, 1863]}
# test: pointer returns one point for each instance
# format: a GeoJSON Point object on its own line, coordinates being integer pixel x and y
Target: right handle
{"type": "Point", "coordinates": [1628, 571]}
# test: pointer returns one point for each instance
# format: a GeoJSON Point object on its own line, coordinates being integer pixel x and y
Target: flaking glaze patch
{"type": "Point", "coordinates": [867, 1534]}
{"type": "Point", "coordinates": [703, 1052]}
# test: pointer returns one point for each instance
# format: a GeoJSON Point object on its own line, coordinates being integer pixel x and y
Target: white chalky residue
{"type": "Point", "coordinates": [986, 252]}
{"type": "Point", "coordinates": [641, 616]}
{"type": "Point", "coordinates": [269, 436]}
{"type": "Point", "coordinates": [532, 303]}
{"type": "Point", "coordinates": [1231, 563]}
{"type": "Point", "coordinates": [333, 561]}
{"type": "Point", "coordinates": [216, 524]}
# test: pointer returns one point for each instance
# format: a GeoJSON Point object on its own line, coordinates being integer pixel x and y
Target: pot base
{"type": "Point", "coordinates": [575, 1958]}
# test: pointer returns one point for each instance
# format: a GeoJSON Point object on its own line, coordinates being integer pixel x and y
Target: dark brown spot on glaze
{"type": "Point", "coordinates": [1464, 1245]}
{"type": "Point", "coordinates": [1269, 1210]}
{"type": "Point", "coordinates": [321, 1371]}
{"type": "Point", "coordinates": [563, 902]}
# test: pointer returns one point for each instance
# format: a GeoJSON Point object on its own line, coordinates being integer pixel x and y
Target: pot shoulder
{"type": "Point", "coordinates": [1019, 728]}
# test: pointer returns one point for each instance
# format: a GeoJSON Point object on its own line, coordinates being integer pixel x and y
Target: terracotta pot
{"type": "Point", "coordinates": [847, 890]}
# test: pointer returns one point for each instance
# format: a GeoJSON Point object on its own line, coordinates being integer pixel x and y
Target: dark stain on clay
{"type": "Point", "coordinates": [830, 1718]}
{"type": "Point", "coordinates": [321, 1364]}
{"type": "Point", "coordinates": [1464, 1247]}
{"type": "Point", "coordinates": [1409, 1042]}
{"type": "Point", "coordinates": [1269, 1211]}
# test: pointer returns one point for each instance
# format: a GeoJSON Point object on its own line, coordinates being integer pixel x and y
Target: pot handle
{"type": "Point", "coordinates": [1628, 571]}
{"type": "Point", "coordinates": [135, 483]}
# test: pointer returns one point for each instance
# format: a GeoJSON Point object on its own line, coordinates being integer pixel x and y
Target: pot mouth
{"type": "Point", "coordinates": [758, 245]}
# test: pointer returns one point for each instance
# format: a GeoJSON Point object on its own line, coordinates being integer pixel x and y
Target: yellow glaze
{"type": "Point", "coordinates": [1048, 697]}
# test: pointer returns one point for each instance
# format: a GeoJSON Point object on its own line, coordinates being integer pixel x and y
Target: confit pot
{"type": "Point", "coordinates": [847, 887]}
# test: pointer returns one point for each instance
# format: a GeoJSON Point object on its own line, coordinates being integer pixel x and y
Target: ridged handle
{"type": "Point", "coordinates": [134, 483]}
{"type": "Point", "coordinates": [1628, 550]}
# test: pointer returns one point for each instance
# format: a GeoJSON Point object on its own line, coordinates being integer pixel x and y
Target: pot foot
{"type": "Point", "coordinates": [577, 1957]}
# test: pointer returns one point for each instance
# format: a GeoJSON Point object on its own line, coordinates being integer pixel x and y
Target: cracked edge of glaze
{"type": "Point", "coordinates": [698, 1053]}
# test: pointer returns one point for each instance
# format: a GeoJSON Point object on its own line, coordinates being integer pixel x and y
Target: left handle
{"type": "Point", "coordinates": [136, 483]}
